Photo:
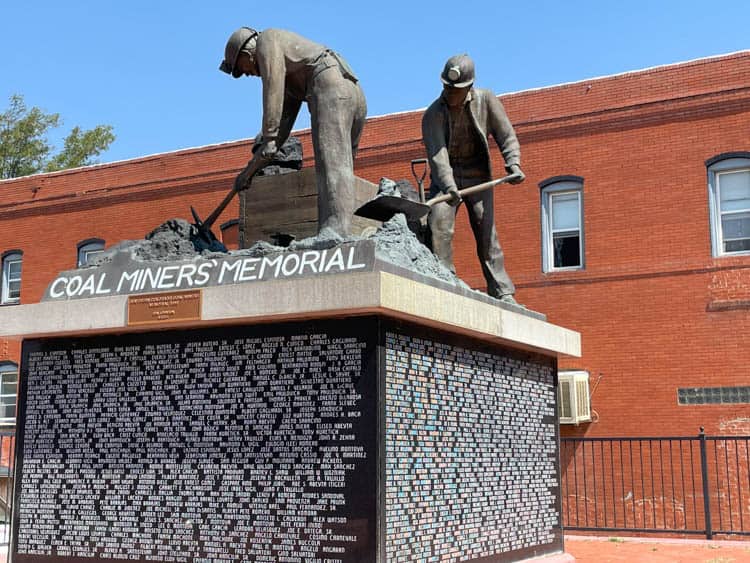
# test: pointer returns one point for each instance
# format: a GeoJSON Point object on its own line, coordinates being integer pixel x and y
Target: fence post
{"type": "Point", "coordinates": [704, 477]}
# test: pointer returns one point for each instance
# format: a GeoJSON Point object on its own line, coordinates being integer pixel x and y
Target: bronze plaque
{"type": "Point", "coordinates": [157, 308]}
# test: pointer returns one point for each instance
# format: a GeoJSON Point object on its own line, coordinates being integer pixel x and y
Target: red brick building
{"type": "Point", "coordinates": [633, 227]}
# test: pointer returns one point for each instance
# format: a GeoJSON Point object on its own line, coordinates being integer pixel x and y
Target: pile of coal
{"type": "Point", "coordinates": [405, 189]}
{"type": "Point", "coordinates": [396, 243]}
{"type": "Point", "coordinates": [173, 240]}
{"type": "Point", "coordinates": [288, 158]}
{"type": "Point", "coordinates": [397, 188]}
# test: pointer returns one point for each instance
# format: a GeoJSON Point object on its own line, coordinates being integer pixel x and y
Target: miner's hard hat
{"type": "Point", "coordinates": [458, 71]}
{"type": "Point", "coordinates": [232, 51]}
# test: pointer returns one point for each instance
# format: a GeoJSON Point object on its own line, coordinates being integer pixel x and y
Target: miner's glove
{"type": "Point", "coordinates": [516, 170]}
{"type": "Point", "coordinates": [269, 150]}
{"type": "Point", "coordinates": [455, 196]}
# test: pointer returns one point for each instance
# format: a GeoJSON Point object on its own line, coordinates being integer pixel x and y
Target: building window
{"type": "Point", "coordinates": [8, 391]}
{"type": "Point", "coordinates": [88, 249]}
{"type": "Point", "coordinates": [11, 290]}
{"type": "Point", "coordinates": [562, 223]}
{"type": "Point", "coordinates": [729, 197]}
{"type": "Point", "coordinates": [713, 395]}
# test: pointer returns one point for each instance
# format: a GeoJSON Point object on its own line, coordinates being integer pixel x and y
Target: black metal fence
{"type": "Point", "coordinates": [7, 444]}
{"type": "Point", "coordinates": [687, 485]}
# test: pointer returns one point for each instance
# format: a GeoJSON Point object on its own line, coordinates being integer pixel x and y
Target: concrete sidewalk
{"type": "Point", "coordinates": [590, 549]}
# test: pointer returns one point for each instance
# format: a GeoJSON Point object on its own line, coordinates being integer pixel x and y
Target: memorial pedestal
{"type": "Point", "coordinates": [355, 417]}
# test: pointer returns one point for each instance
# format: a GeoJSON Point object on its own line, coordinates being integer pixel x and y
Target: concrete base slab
{"type": "Point", "coordinates": [344, 295]}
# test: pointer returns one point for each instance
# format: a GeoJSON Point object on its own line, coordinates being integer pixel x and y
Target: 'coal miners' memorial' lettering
{"type": "Point", "coordinates": [108, 280]}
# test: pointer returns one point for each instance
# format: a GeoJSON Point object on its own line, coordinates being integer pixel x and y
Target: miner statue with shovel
{"type": "Point", "coordinates": [455, 131]}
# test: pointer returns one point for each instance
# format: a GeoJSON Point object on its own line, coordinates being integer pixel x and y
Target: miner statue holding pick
{"type": "Point", "coordinates": [455, 131]}
{"type": "Point", "coordinates": [294, 69]}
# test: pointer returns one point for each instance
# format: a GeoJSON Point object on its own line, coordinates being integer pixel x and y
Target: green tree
{"type": "Point", "coordinates": [25, 149]}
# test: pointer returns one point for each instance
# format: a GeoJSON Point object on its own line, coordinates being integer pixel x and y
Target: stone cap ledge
{"type": "Point", "coordinates": [375, 292]}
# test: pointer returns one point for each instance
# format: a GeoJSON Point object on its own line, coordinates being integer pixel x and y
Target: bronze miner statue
{"type": "Point", "coordinates": [294, 69]}
{"type": "Point", "coordinates": [455, 131]}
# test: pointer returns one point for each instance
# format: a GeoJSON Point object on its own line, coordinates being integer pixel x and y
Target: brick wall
{"type": "Point", "coordinates": [646, 302]}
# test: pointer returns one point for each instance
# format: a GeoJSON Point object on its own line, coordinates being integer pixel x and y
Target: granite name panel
{"type": "Point", "coordinates": [253, 443]}
{"type": "Point", "coordinates": [471, 458]}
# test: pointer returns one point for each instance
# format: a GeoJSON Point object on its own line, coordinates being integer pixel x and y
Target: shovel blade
{"type": "Point", "coordinates": [384, 207]}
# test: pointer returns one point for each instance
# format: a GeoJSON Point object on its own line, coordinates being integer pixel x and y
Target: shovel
{"type": "Point", "coordinates": [384, 207]}
{"type": "Point", "coordinates": [204, 227]}
{"type": "Point", "coordinates": [419, 178]}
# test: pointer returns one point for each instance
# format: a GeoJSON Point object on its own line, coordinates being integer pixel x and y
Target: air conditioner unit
{"type": "Point", "coordinates": [573, 397]}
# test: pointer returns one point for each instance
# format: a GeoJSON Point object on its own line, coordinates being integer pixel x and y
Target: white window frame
{"type": "Point", "coordinates": [8, 369]}
{"type": "Point", "coordinates": [550, 190]}
{"type": "Point", "coordinates": [88, 249]}
{"type": "Point", "coordinates": [716, 168]}
{"type": "Point", "coordinates": [8, 260]}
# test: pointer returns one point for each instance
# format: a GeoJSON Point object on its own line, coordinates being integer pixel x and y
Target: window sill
{"type": "Point", "coordinates": [565, 270]}
{"type": "Point", "coordinates": [733, 254]}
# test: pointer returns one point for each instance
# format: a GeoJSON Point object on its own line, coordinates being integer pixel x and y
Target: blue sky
{"type": "Point", "coordinates": [150, 69]}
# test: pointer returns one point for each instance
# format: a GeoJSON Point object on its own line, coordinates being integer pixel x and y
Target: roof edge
{"type": "Point", "coordinates": [626, 73]}
{"type": "Point", "coordinates": [135, 159]}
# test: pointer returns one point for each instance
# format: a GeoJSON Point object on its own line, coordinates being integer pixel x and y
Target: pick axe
{"type": "Point", "coordinates": [204, 227]}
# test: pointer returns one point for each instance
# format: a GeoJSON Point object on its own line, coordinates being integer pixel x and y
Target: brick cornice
{"type": "Point", "coordinates": [158, 189]}
{"type": "Point", "coordinates": [550, 280]}
{"type": "Point", "coordinates": [632, 116]}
